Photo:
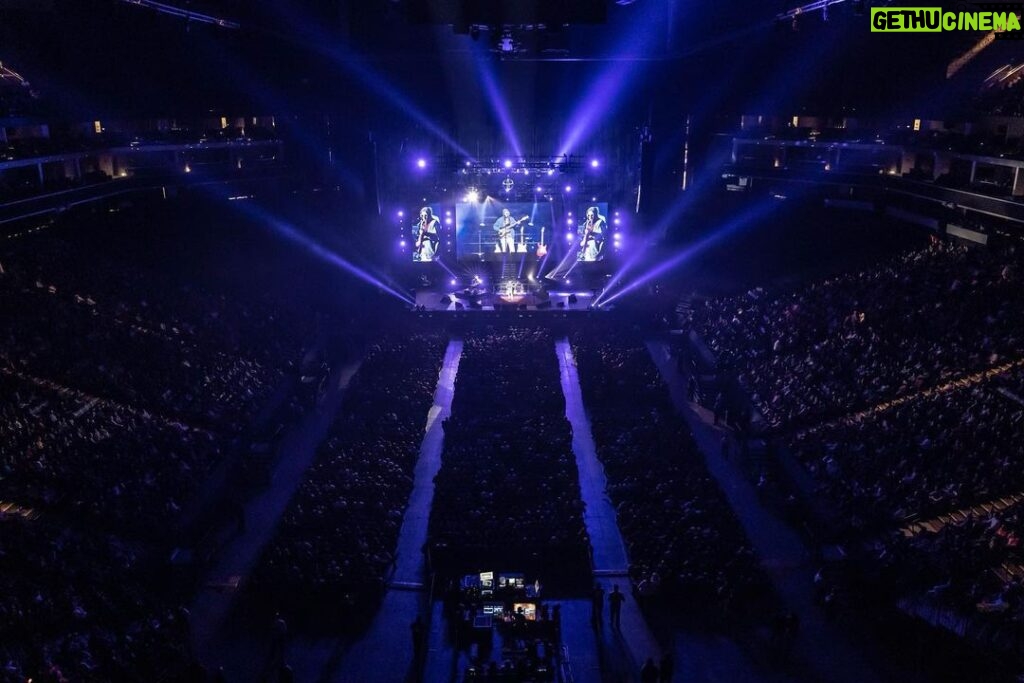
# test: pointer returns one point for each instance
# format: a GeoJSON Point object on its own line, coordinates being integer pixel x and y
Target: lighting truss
{"type": "Point", "coordinates": [186, 14]}
{"type": "Point", "coordinates": [562, 164]}
{"type": "Point", "coordinates": [819, 5]}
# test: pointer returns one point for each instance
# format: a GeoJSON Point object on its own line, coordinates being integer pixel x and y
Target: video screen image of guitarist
{"type": "Point", "coordinates": [492, 231]}
{"type": "Point", "coordinates": [592, 232]}
{"type": "Point", "coordinates": [426, 235]}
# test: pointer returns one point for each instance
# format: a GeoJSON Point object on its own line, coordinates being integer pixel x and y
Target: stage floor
{"type": "Point", "coordinates": [461, 301]}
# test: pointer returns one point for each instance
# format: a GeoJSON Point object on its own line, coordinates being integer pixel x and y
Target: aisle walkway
{"type": "Point", "coordinates": [215, 642]}
{"type": "Point", "coordinates": [821, 647]}
{"type": "Point", "coordinates": [384, 653]}
{"type": "Point", "coordinates": [621, 653]}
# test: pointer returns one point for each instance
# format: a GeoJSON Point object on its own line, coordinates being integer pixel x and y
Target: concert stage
{"type": "Point", "coordinates": [515, 295]}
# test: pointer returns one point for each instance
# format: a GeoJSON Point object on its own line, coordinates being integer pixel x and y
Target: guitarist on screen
{"type": "Point", "coordinates": [592, 232]}
{"type": "Point", "coordinates": [505, 226]}
{"type": "Point", "coordinates": [427, 236]}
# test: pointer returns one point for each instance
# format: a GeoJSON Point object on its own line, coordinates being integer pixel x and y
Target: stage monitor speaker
{"type": "Point", "coordinates": [459, 306]}
{"type": "Point", "coordinates": [572, 298]}
{"type": "Point", "coordinates": [561, 304]}
{"type": "Point", "coordinates": [446, 299]}
{"type": "Point", "coordinates": [475, 304]}
{"type": "Point", "coordinates": [543, 304]}
{"type": "Point", "coordinates": [523, 307]}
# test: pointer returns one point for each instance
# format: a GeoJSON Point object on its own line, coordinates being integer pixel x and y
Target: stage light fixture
{"type": "Point", "coordinates": [568, 188]}
{"type": "Point", "coordinates": [508, 163]}
{"type": "Point", "coordinates": [594, 163]}
{"type": "Point", "coordinates": [421, 163]}
{"type": "Point", "coordinates": [401, 214]}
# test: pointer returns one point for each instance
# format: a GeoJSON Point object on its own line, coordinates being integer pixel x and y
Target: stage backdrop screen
{"type": "Point", "coordinates": [483, 232]}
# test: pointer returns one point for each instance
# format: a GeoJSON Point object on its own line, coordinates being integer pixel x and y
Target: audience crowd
{"type": "Point", "coordinates": [858, 339]}
{"type": "Point", "coordinates": [901, 391]}
{"type": "Point", "coordinates": [940, 452]}
{"type": "Point", "coordinates": [336, 543]}
{"type": "Point", "coordinates": [971, 567]}
{"type": "Point", "coordinates": [107, 464]}
{"type": "Point", "coordinates": [77, 605]}
{"type": "Point", "coordinates": [684, 541]}
{"type": "Point", "coordinates": [507, 497]}
{"type": "Point", "coordinates": [64, 342]}
{"type": "Point", "coordinates": [121, 391]}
